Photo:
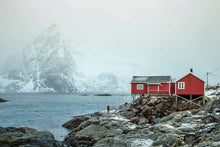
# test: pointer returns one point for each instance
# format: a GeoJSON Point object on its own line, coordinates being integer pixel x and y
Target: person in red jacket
{"type": "Point", "coordinates": [108, 107]}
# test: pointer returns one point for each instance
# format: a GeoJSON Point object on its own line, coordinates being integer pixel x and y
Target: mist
{"type": "Point", "coordinates": [121, 37]}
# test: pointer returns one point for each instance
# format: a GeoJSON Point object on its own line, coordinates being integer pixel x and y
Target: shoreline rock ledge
{"type": "Point", "coordinates": [26, 137]}
{"type": "Point", "coordinates": [123, 127]}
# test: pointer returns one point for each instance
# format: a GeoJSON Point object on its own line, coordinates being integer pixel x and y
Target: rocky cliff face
{"type": "Point", "coordinates": [45, 65]}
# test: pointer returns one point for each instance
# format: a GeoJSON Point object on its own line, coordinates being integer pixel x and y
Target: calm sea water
{"type": "Point", "coordinates": [47, 112]}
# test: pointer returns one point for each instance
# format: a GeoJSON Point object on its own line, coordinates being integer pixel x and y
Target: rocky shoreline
{"type": "Point", "coordinates": [130, 125]}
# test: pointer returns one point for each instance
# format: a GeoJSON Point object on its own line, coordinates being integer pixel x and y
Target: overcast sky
{"type": "Point", "coordinates": [146, 37]}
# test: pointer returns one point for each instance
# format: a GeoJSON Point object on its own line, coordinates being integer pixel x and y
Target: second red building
{"type": "Point", "coordinates": [161, 85]}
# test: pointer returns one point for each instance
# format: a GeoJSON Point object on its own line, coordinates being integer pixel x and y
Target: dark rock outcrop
{"type": "Point", "coordinates": [2, 100]}
{"type": "Point", "coordinates": [106, 94]}
{"type": "Point", "coordinates": [12, 136]}
{"type": "Point", "coordinates": [75, 122]}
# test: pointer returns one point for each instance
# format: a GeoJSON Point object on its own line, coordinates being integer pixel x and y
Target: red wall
{"type": "Point", "coordinates": [172, 88]}
{"type": "Point", "coordinates": [135, 91]}
{"type": "Point", "coordinates": [153, 89]}
{"type": "Point", "coordinates": [193, 86]}
{"type": "Point", "coordinates": [164, 88]}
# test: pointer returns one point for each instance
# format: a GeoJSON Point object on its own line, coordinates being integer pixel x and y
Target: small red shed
{"type": "Point", "coordinates": [152, 85]}
{"type": "Point", "coordinates": [190, 85]}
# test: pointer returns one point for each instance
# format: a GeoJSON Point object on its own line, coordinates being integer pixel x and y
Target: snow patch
{"type": "Point", "coordinates": [141, 143]}
{"type": "Point", "coordinates": [119, 118]}
{"type": "Point", "coordinates": [132, 126]}
{"type": "Point", "coordinates": [168, 126]}
{"type": "Point", "coordinates": [212, 93]}
{"type": "Point", "coordinates": [188, 125]}
{"type": "Point", "coordinates": [29, 86]}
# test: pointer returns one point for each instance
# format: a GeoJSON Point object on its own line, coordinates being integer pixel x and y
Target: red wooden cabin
{"type": "Point", "coordinates": [190, 88]}
{"type": "Point", "coordinates": [152, 85]}
{"type": "Point", "coordinates": [189, 85]}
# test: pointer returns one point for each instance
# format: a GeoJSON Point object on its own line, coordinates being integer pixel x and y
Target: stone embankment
{"type": "Point", "coordinates": [130, 125]}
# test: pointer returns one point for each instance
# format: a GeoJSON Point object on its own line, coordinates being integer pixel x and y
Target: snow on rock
{"type": "Point", "coordinates": [119, 118]}
{"type": "Point", "coordinates": [141, 143]}
{"type": "Point", "coordinates": [212, 93]}
{"type": "Point", "coordinates": [168, 126]}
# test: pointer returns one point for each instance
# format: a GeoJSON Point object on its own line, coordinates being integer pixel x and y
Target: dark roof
{"type": "Point", "coordinates": [151, 79]}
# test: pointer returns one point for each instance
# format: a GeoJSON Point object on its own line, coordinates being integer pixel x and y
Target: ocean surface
{"type": "Point", "coordinates": [47, 112]}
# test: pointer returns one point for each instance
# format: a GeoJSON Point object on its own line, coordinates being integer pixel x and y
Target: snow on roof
{"type": "Point", "coordinates": [151, 79]}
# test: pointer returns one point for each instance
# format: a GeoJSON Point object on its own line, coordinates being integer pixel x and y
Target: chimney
{"type": "Point", "coordinates": [191, 70]}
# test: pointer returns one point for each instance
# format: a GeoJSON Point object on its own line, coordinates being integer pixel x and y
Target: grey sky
{"type": "Point", "coordinates": [141, 37]}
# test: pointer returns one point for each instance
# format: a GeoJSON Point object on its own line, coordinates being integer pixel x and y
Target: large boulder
{"type": "Point", "coordinates": [89, 135]}
{"type": "Point", "coordinates": [128, 114]}
{"type": "Point", "coordinates": [143, 121]}
{"type": "Point", "coordinates": [75, 122]}
{"type": "Point", "coordinates": [134, 120]}
{"type": "Point", "coordinates": [169, 140]}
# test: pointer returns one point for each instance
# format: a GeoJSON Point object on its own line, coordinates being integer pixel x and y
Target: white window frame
{"type": "Point", "coordinates": [140, 86]}
{"type": "Point", "coordinates": [181, 85]}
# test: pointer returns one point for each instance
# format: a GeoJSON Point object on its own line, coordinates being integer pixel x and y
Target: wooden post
{"type": "Point", "coordinates": [169, 88]}
{"type": "Point", "coordinates": [203, 100]}
{"type": "Point", "coordinates": [176, 102]}
{"type": "Point", "coordinates": [158, 89]}
{"type": "Point", "coordinates": [133, 96]}
{"type": "Point", "coordinates": [190, 101]}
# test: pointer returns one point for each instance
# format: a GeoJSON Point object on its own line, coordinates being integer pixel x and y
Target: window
{"type": "Point", "coordinates": [140, 86]}
{"type": "Point", "coordinates": [181, 85]}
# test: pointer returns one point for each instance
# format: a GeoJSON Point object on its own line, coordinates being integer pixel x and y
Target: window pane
{"type": "Point", "coordinates": [140, 86]}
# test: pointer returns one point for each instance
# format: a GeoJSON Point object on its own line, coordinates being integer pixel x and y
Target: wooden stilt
{"type": "Point", "coordinates": [176, 102]}
{"type": "Point", "coordinates": [190, 101]}
{"type": "Point", "coordinates": [203, 100]}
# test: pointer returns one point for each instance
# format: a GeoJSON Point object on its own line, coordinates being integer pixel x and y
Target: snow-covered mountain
{"type": "Point", "coordinates": [48, 65]}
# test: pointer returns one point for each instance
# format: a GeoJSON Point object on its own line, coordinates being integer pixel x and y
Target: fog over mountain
{"type": "Point", "coordinates": [120, 37]}
{"type": "Point", "coordinates": [48, 65]}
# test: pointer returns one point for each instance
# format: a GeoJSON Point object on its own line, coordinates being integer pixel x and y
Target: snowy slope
{"type": "Point", "coordinates": [104, 83]}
